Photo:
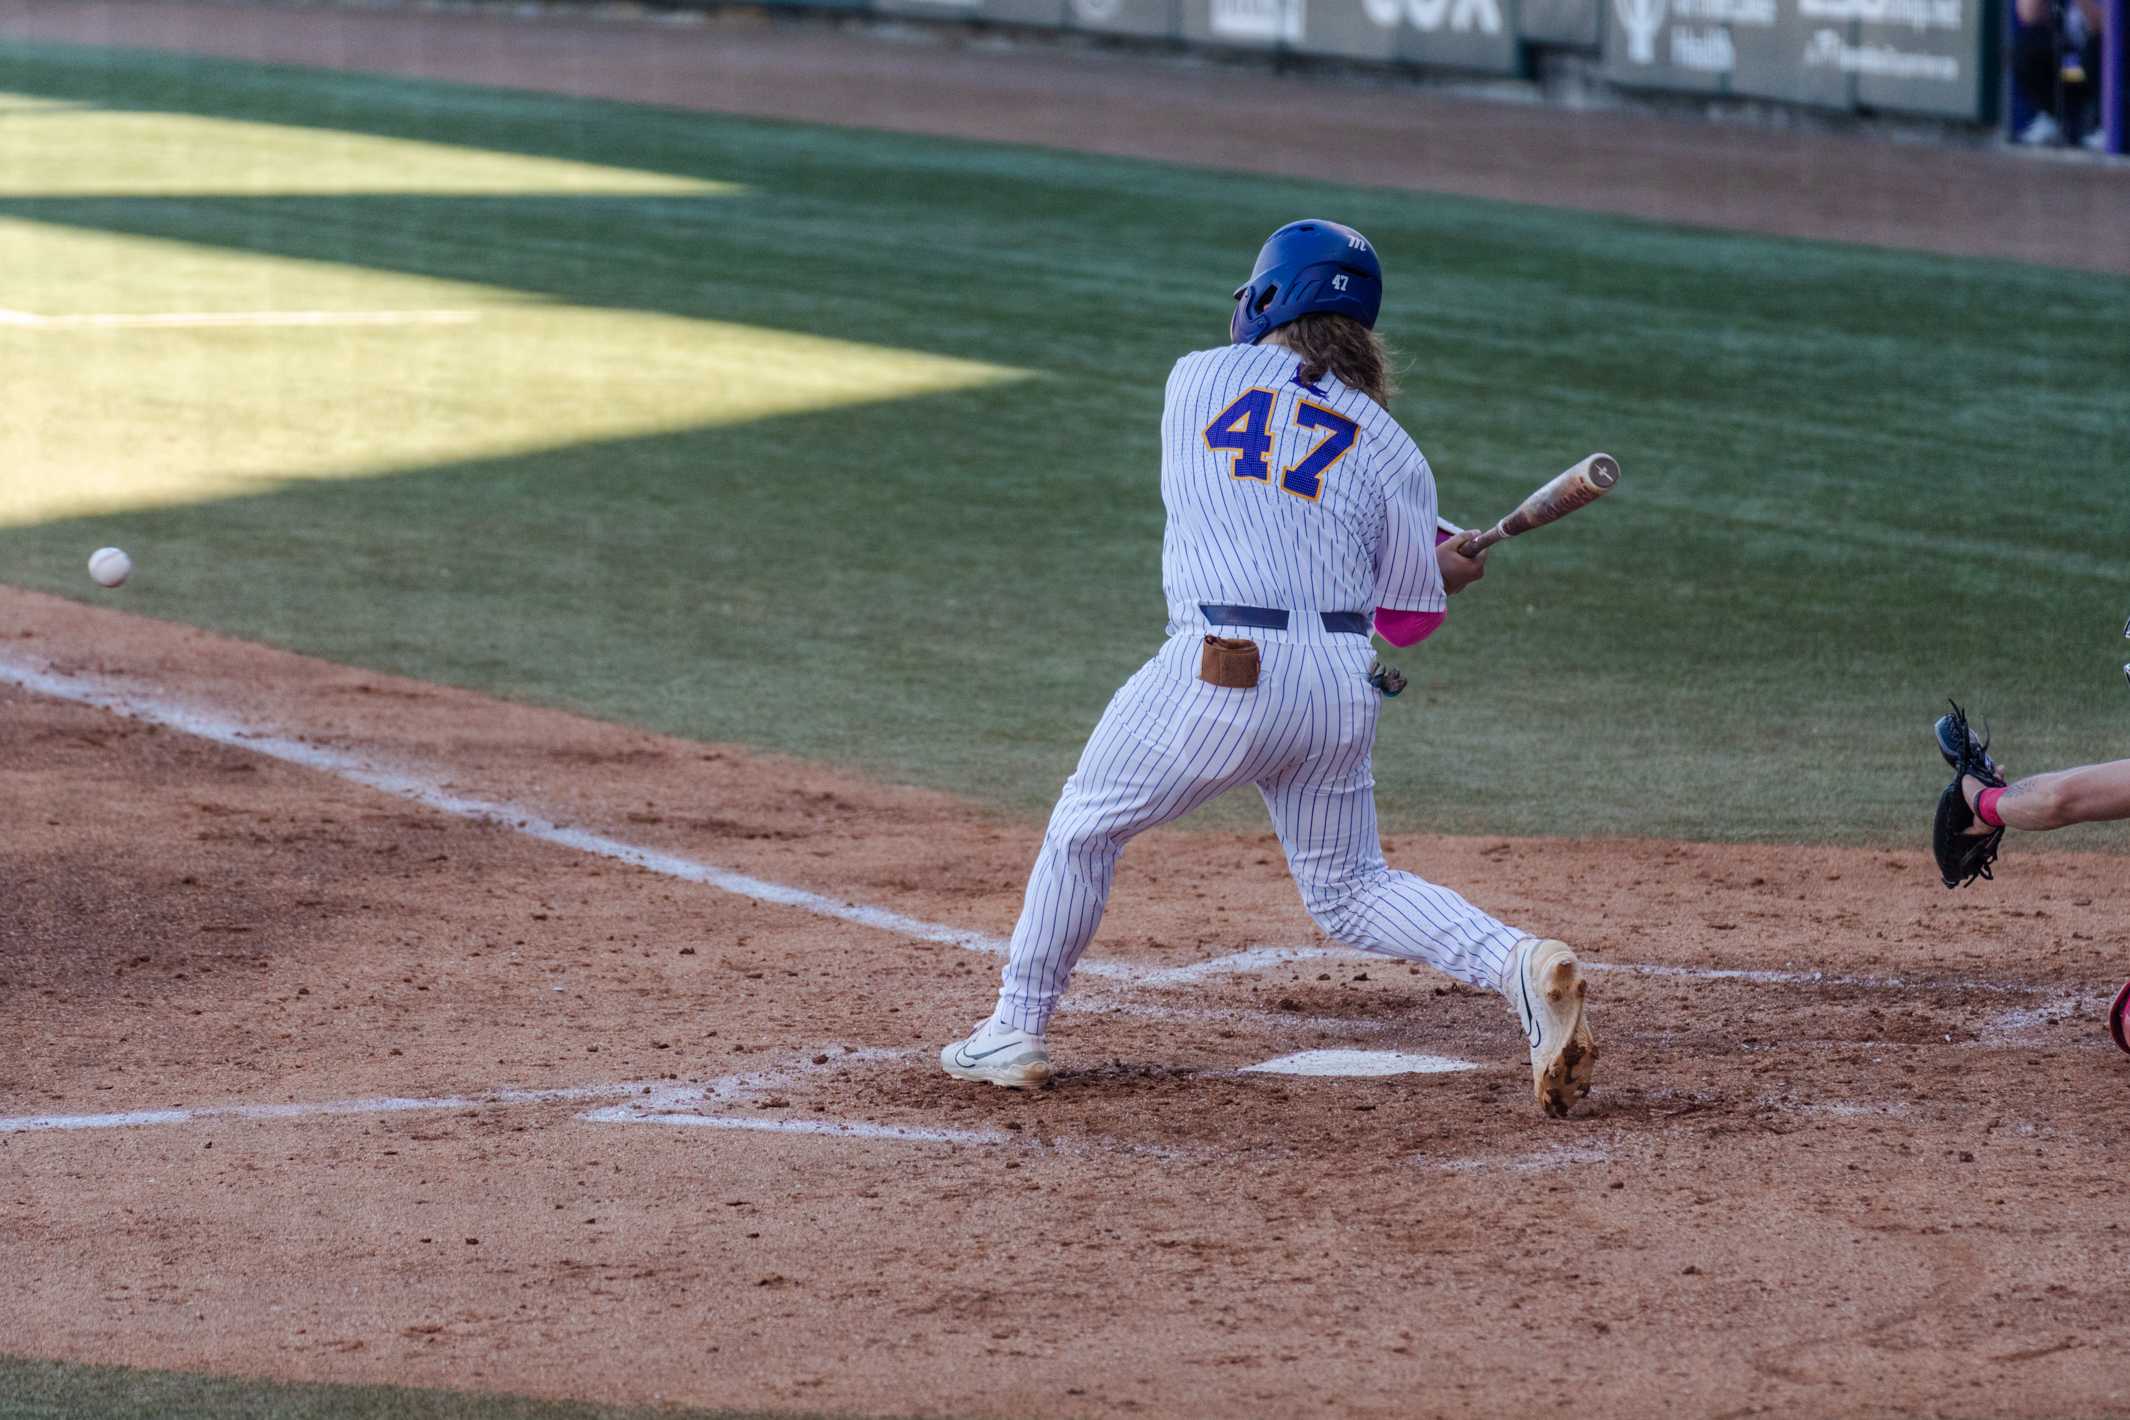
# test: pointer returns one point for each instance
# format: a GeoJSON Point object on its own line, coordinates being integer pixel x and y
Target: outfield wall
{"type": "Point", "coordinates": [1932, 58]}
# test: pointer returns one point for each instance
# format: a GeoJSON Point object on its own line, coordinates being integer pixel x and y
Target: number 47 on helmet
{"type": "Point", "coordinates": [1303, 268]}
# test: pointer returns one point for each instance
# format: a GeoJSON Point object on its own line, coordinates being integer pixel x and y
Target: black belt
{"type": "Point", "coordinates": [1269, 618]}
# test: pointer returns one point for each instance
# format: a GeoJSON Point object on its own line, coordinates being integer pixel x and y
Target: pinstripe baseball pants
{"type": "Point", "coordinates": [1169, 742]}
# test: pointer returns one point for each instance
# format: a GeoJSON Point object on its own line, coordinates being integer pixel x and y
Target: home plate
{"type": "Point", "coordinates": [1359, 1062]}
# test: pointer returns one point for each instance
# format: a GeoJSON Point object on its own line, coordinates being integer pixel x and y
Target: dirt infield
{"type": "Point", "coordinates": [1742, 177]}
{"type": "Point", "coordinates": [362, 1029]}
{"type": "Point", "coordinates": [1888, 1189]}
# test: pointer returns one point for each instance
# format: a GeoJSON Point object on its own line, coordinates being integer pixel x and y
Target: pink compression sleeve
{"type": "Point", "coordinates": [1410, 628]}
{"type": "Point", "coordinates": [1407, 628]}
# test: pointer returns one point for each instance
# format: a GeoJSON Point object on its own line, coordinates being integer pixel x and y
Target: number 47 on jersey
{"type": "Point", "coordinates": [1244, 430]}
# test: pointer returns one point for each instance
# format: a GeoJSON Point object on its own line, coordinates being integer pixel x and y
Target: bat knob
{"type": "Point", "coordinates": [1604, 470]}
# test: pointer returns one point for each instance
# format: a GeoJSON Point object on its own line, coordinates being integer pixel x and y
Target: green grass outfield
{"type": "Point", "coordinates": [843, 444]}
{"type": "Point", "coordinates": [39, 1390]}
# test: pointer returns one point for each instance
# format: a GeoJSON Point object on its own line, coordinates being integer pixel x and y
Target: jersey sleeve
{"type": "Point", "coordinates": [1407, 578]}
{"type": "Point", "coordinates": [1177, 374]}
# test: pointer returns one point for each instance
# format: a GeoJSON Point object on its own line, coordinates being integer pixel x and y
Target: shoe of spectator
{"type": "Point", "coordinates": [2042, 131]}
{"type": "Point", "coordinates": [2095, 141]}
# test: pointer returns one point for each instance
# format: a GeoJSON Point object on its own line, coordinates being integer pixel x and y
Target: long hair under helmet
{"type": "Point", "coordinates": [1305, 267]}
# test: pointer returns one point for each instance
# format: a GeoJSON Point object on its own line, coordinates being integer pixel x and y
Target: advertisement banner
{"type": "Point", "coordinates": [1462, 34]}
{"type": "Point", "coordinates": [1155, 18]}
{"type": "Point", "coordinates": [1351, 30]}
{"type": "Point", "coordinates": [1773, 56]}
{"type": "Point", "coordinates": [1245, 24]}
{"type": "Point", "coordinates": [1457, 34]}
{"type": "Point", "coordinates": [1024, 12]}
{"type": "Point", "coordinates": [1648, 43]}
{"type": "Point", "coordinates": [1572, 22]}
{"type": "Point", "coordinates": [1008, 12]}
{"type": "Point", "coordinates": [1917, 56]}
{"type": "Point", "coordinates": [1348, 29]}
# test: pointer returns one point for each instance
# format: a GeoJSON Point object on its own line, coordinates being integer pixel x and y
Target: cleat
{"type": "Point", "coordinates": [2116, 1025]}
{"type": "Point", "coordinates": [1545, 989]}
{"type": "Point", "coordinates": [995, 1055]}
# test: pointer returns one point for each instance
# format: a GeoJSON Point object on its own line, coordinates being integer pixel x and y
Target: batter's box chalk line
{"type": "Point", "coordinates": [658, 1102]}
{"type": "Point", "coordinates": [382, 1104]}
{"type": "Point", "coordinates": [643, 1102]}
{"type": "Point", "coordinates": [1539, 1161]}
{"type": "Point", "coordinates": [1347, 1064]}
{"type": "Point", "coordinates": [680, 1106]}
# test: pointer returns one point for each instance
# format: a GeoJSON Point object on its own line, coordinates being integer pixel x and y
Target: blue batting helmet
{"type": "Point", "coordinates": [1305, 267]}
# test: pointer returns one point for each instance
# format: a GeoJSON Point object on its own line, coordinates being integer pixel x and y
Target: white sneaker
{"type": "Point", "coordinates": [2041, 131]}
{"type": "Point", "coordinates": [1545, 988]}
{"type": "Point", "coordinates": [2096, 139]}
{"type": "Point", "coordinates": [998, 1055]}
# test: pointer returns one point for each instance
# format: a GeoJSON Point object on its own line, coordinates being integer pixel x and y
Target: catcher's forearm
{"type": "Point", "coordinates": [2091, 793]}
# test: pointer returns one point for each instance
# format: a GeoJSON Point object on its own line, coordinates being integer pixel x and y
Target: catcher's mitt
{"type": "Point", "coordinates": [1963, 856]}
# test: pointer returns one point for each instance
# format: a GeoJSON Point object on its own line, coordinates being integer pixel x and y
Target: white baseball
{"type": "Point", "coordinates": [109, 566]}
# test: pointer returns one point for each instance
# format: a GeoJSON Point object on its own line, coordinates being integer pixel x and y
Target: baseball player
{"type": "Point", "coordinates": [1296, 508]}
{"type": "Point", "coordinates": [2089, 793]}
{"type": "Point", "coordinates": [1979, 805]}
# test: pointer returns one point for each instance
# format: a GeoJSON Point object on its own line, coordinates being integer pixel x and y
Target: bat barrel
{"type": "Point", "coordinates": [1559, 496]}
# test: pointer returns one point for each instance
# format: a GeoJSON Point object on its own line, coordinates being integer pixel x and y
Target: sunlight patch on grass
{"type": "Point", "coordinates": [68, 271]}
{"type": "Point", "coordinates": [106, 420]}
{"type": "Point", "coordinates": [62, 150]}
{"type": "Point", "coordinates": [11, 104]}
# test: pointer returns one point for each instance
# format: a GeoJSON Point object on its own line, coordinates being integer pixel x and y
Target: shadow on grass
{"type": "Point", "coordinates": [1834, 511]}
{"type": "Point", "coordinates": [811, 584]}
{"type": "Point", "coordinates": [39, 1390]}
{"type": "Point", "coordinates": [820, 585]}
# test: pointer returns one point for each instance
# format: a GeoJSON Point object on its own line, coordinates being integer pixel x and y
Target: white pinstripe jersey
{"type": "Point", "coordinates": [1309, 498]}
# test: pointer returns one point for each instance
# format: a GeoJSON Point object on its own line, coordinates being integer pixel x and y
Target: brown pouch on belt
{"type": "Point", "coordinates": [1232, 665]}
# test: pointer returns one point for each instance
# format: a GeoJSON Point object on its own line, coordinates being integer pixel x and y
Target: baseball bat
{"type": "Point", "coordinates": [1556, 498]}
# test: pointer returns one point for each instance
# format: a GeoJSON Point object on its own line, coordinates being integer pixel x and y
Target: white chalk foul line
{"type": "Point", "coordinates": [429, 792]}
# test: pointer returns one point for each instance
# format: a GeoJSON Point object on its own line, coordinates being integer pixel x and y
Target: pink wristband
{"type": "Point", "coordinates": [1986, 807]}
